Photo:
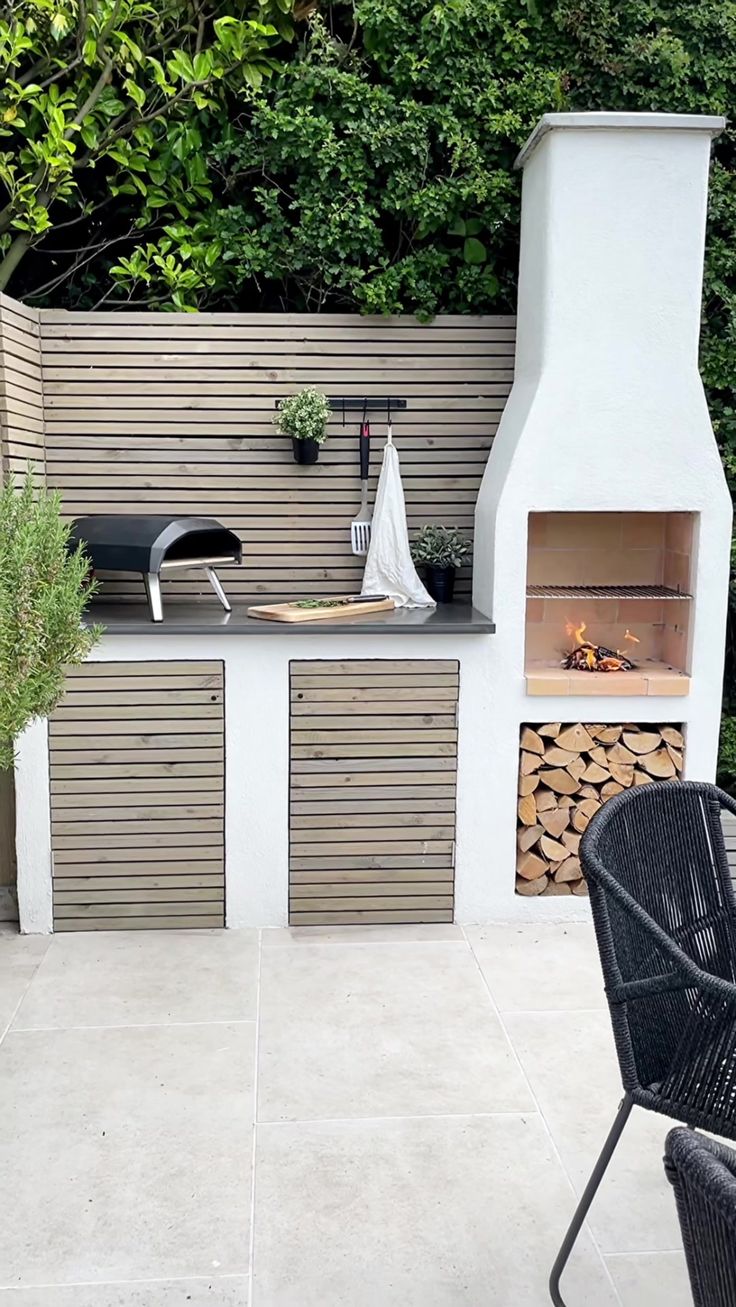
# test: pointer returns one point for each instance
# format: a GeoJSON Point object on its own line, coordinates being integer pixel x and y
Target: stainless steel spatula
{"type": "Point", "coordinates": [360, 527]}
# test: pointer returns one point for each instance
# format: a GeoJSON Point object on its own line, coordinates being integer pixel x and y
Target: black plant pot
{"type": "Point", "coordinates": [440, 582]}
{"type": "Point", "coordinates": [305, 451]}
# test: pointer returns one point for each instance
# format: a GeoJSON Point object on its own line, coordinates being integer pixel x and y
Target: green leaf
{"type": "Point", "coordinates": [457, 228]}
{"type": "Point", "coordinates": [180, 65]}
{"type": "Point", "coordinates": [136, 93]}
{"type": "Point", "coordinates": [474, 251]}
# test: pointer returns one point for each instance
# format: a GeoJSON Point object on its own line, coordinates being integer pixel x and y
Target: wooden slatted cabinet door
{"type": "Point", "coordinates": [373, 760]}
{"type": "Point", "coordinates": [137, 759]}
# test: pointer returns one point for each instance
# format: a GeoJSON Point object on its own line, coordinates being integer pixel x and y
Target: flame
{"type": "Point", "coordinates": [630, 636]}
{"type": "Point", "coordinates": [576, 632]}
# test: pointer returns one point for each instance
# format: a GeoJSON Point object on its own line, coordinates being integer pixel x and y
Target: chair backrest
{"type": "Point", "coordinates": [663, 845]}
{"type": "Point", "coordinates": [703, 1174]}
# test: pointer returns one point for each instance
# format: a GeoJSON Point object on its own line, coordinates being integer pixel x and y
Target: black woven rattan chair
{"type": "Point", "coordinates": [665, 921]}
{"type": "Point", "coordinates": [703, 1174]}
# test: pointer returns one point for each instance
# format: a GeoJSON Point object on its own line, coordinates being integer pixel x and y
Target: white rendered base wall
{"type": "Point", "coordinates": [492, 706]}
{"type": "Point", "coordinates": [257, 771]}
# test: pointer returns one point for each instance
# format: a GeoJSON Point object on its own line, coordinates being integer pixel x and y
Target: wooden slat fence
{"type": "Point", "coordinates": [372, 803]}
{"type": "Point", "coordinates": [729, 828]}
{"type": "Point", "coordinates": [174, 413]}
{"type": "Point", "coordinates": [137, 796]}
{"type": "Point", "coordinates": [21, 393]}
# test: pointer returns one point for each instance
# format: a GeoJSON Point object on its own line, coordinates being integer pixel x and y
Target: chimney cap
{"type": "Point", "coordinates": [713, 125]}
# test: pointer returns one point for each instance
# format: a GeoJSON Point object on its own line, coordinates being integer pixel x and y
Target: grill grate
{"type": "Point", "coordinates": [604, 592]}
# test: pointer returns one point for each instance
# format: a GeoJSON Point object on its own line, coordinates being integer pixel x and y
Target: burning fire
{"type": "Point", "coordinates": [588, 657]}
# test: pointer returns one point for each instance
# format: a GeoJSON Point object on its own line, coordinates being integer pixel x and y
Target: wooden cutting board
{"type": "Point", "coordinates": [291, 612]}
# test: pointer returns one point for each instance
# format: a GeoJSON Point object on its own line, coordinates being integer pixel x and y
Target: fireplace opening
{"type": "Point", "coordinates": [608, 603]}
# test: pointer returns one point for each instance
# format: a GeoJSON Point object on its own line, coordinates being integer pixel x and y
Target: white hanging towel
{"type": "Point", "coordinates": [389, 568]}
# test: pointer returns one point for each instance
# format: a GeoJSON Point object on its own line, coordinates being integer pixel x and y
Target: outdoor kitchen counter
{"type": "Point", "coordinates": [209, 619]}
{"type": "Point", "coordinates": [327, 776]}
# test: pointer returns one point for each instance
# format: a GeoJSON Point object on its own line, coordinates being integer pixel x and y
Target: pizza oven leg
{"type": "Point", "coordinates": [153, 590]}
{"type": "Point", "coordinates": [214, 581]}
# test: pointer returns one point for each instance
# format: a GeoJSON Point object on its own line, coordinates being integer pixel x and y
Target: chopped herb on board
{"type": "Point", "coordinates": [319, 603]}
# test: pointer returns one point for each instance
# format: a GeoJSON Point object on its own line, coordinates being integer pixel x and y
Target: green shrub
{"type": "Point", "coordinates": [727, 755]}
{"type": "Point", "coordinates": [43, 594]}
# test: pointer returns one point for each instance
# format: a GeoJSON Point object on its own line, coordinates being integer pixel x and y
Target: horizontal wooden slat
{"type": "Point", "coordinates": [370, 847]}
{"type": "Point", "coordinates": [373, 902]}
{"type": "Point", "coordinates": [175, 880]}
{"type": "Point", "coordinates": [211, 673]}
{"type": "Point", "coordinates": [135, 836]}
{"type": "Point", "coordinates": [400, 729]}
{"type": "Point", "coordinates": [340, 752]}
{"type": "Point", "coordinates": [130, 789]}
{"type": "Point", "coordinates": [74, 808]}
{"type": "Point", "coordinates": [410, 713]}
{"type": "Point", "coordinates": [141, 866]}
{"type": "Point", "coordinates": [382, 818]}
{"type": "Point", "coordinates": [215, 919]}
{"type": "Point", "coordinates": [362, 667]}
{"type": "Point", "coordinates": [104, 712]}
{"type": "Point", "coordinates": [149, 841]}
{"type": "Point", "coordinates": [370, 861]}
{"type": "Point", "coordinates": [72, 732]}
{"type": "Point", "coordinates": [374, 917]}
{"type": "Point", "coordinates": [371, 834]}
{"type": "Point", "coordinates": [195, 824]}
{"type": "Point", "coordinates": [441, 877]}
{"type": "Point", "coordinates": [378, 889]}
{"type": "Point", "coordinates": [138, 771]}
{"type": "Point", "coordinates": [381, 798]}
{"type": "Point", "coordinates": [130, 911]}
{"type": "Point", "coordinates": [114, 893]}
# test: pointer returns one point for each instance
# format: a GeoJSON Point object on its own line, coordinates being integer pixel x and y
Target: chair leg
{"type": "Point", "coordinates": [583, 1206]}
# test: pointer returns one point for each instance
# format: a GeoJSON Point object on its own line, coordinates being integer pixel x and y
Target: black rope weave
{"type": "Point", "coordinates": [703, 1174]}
{"type": "Point", "coordinates": [665, 920]}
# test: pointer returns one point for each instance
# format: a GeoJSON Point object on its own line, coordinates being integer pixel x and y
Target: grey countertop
{"type": "Point", "coordinates": [206, 618]}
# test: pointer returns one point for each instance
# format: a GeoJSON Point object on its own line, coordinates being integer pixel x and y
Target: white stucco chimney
{"type": "Point", "coordinates": [607, 411]}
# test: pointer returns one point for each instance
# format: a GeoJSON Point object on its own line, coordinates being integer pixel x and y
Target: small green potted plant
{"type": "Point", "coordinates": [304, 417]}
{"type": "Point", "coordinates": [439, 551]}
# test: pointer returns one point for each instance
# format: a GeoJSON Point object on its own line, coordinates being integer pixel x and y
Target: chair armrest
{"type": "Point", "coordinates": [727, 801]}
{"type": "Point", "coordinates": [684, 966]}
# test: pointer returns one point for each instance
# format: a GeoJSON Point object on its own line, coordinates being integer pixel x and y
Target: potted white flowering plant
{"type": "Point", "coordinates": [304, 417]}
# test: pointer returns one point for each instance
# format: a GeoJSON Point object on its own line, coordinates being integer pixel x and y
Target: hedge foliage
{"type": "Point", "coordinates": [373, 170]}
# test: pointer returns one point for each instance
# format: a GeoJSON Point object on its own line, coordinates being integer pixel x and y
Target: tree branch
{"type": "Point", "coordinates": [78, 263]}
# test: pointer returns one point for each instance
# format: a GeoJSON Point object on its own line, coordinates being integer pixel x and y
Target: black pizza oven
{"type": "Point", "coordinates": [155, 546]}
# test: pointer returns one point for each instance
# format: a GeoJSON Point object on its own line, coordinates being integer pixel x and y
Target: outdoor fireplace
{"type": "Point", "coordinates": [603, 510]}
{"type": "Point", "coordinates": [608, 595]}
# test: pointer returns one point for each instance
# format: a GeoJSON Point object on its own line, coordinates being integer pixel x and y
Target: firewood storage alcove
{"type": "Point", "coordinates": [566, 772]}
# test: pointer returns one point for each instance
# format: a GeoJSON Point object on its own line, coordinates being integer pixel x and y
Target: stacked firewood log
{"type": "Point", "coordinates": [566, 772]}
